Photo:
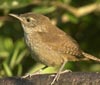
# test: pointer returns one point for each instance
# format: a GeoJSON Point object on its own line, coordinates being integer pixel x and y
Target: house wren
{"type": "Point", "coordinates": [48, 44]}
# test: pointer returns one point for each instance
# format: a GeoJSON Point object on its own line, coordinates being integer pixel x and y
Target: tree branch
{"type": "Point", "coordinates": [81, 11]}
{"type": "Point", "coordinates": [68, 78]}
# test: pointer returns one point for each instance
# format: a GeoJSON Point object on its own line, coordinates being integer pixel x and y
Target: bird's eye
{"type": "Point", "coordinates": [28, 19]}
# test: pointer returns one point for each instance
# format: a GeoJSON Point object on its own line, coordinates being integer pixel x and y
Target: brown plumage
{"type": "Point", "coordinates": [47, 43]}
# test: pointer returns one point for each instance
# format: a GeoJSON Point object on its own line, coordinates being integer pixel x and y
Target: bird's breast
{"type": "Point", "coordinates": [42, 52]}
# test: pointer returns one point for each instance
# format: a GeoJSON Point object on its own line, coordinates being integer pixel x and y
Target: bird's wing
{"type": "Point", "coordinates": [61, 42]}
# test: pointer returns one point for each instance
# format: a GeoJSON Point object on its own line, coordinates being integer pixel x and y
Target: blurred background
{"type": "Point", "coordinates": [81, 19]}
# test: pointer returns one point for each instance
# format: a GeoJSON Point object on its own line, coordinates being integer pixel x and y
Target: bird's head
{"type": "Point", "coordinates": [32, 22]}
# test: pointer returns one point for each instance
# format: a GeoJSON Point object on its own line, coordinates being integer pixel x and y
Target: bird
{"type": "Point", "coordinates": [48, 44]}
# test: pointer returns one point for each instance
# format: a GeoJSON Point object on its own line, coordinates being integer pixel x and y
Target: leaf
{"type": "Point", "coordinates": [44, 10]}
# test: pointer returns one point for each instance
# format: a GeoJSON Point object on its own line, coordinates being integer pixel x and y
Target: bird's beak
{"type": "Point", "coordinates": [17, 17]}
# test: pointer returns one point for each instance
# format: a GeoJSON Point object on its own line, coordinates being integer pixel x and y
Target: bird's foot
{"type": "Point", "coordinates": [56, 78]}
{"type": "Point", "coordinates": [29, 75]}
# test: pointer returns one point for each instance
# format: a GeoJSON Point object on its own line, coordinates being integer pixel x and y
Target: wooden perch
{"type": "Point", "coordinates": [68, 78]}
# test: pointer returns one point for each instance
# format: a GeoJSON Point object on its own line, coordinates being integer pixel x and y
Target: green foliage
{"type": "Point", "coordinates": [44, 10]}
{"type": "Point", "coordinates": [15, 60]}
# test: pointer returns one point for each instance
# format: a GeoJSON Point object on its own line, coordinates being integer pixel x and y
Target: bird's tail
{"type": "Point", "coordinates": [89, 56]}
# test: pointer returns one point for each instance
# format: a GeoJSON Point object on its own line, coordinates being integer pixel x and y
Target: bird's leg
{"type": "Point", "coordinates": [58, 73]}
